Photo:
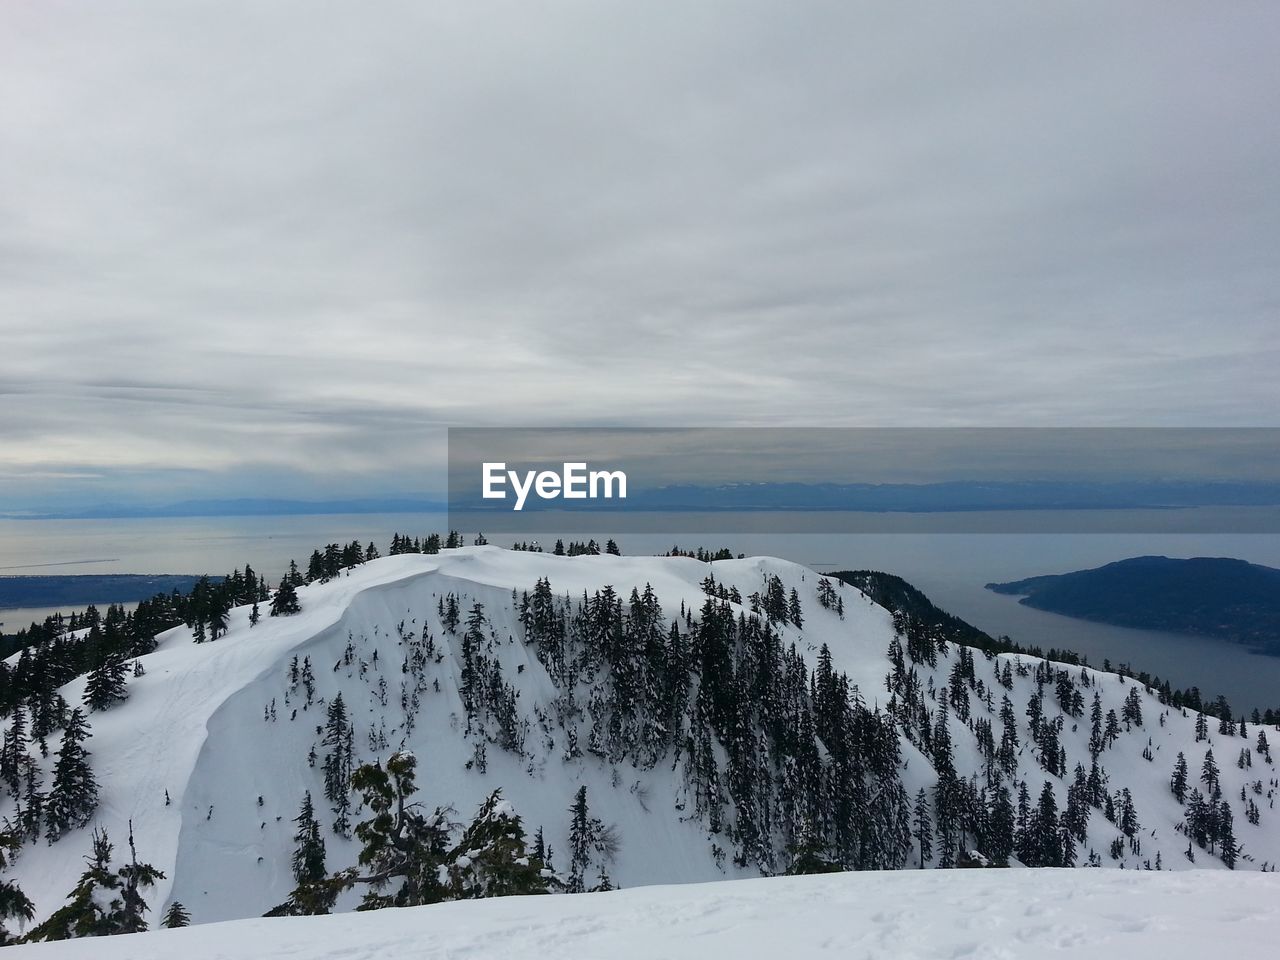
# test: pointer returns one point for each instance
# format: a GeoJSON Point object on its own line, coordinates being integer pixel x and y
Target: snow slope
{"type": "Point", "coordinates": [211, 786]}
{"type": "Point", "coordinates": [1099, 915]}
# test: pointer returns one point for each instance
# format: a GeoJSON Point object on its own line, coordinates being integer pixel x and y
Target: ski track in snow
{"type": "Point", "coordinates": [940, 915]}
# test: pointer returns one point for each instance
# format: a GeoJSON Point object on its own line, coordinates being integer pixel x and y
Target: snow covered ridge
{"type": "Point", "coordinates": [971, 913]}
{"type": "Point", "coordinates": [729, 720]}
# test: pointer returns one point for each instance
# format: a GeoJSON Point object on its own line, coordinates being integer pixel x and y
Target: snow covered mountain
{"type": "Point", "coordinates": [784, 718]}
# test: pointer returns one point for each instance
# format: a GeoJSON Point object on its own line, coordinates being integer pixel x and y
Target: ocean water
{"type": "Point", "coordinates": [951, 569]}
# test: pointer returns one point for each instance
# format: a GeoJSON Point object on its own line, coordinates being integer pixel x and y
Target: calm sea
{"type": "Point", "coordinates": [950, 568]}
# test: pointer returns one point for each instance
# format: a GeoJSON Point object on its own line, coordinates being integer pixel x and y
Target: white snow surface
{"type": "Point", "coordinates": [995, 914]}
{"type": "Point", "coordinates": [193, 726]}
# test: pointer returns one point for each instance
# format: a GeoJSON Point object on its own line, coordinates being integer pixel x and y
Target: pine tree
{"type": "Point", "coordinates": [14, 904]}
{"type": "Point", "coordinates": [285, 602]}
{"type": "Point", "coordinates": [588, 838]}
{"type": "Point", "coordinates": [308, 852]}
{"type": "Point", "coordinates": [176, 916]}
{"type": "Point", "coordinates": [401, 847]}
{"type": "Point", "coordinates": [1001, 826]}
{"type": "Point", "coordinates": [1046, 835]}
{"type": "Point", "coordinates": [579, 841]}
{"type": "Point", "coordinates": [133, 878]}
{"type": "Point", "coordinates": [1228, 850]}
{"type": "Point", "coordinates": [923, 828]}
{"type": "Point", "coordinates": [1178, 783]}
{"type": "Point", "coordinates": [1132, 709]}
{"type": "Point", "coordinates": [808, 854]}
{"type": "Point", "coordinates": [315, 892]}
{"type": "Point", "coordinates": [74, 795]}
{"type": "Point", "coordinates": [105, 902]}
{"type": "Point", "coordinates": [793, 608]}
{"type": "Point", "coordinates": [1209, 775]}
{"type": "Point", "coordinates": [338, 762]}
{"type": "Point", "coordinates": [219, 617]}
{"type": "Point", "coordinates": [490, 860]}
{"type": "Point", "coordinates": [106, 684]}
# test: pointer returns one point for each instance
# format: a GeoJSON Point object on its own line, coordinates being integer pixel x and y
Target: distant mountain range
{"type": "Point", "coordinates": [243, 507]}
{"type": "Point", "coordinates": [962, 496]}
{"type": "Point", "coordinates": [77, 591]}
{"type": "Point", "coordinates": [1210, 596]}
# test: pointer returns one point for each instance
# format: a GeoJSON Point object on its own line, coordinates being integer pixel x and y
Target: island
{"type": "Point", "coordinates": [1221, 597]}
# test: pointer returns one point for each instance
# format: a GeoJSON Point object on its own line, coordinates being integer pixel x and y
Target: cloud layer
{"type": "Point", "coordinates": [286, 244]}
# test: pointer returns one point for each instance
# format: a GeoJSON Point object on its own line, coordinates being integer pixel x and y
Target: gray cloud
{"type": "Point", "coordinates": [291, 242]}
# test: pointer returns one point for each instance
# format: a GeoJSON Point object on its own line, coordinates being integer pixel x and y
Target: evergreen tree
{"type": "Point", "coordinates": [809, 855]}
{"type": "Point", "coordinates": [106, 684]}
{"type": "Point", "coordinates": [793, 608]}
{"type": "Point", "coordinates": [588, 838]}
{"type": "Point", "coordinates": [1132, 709]}
{"type": "Point", "coordinates": [402, 849]}
{"type": "Point", "coordinates": [1178, 783]}
{"type": "Point", "coordinates": [1001, 826]}
{"type": "Point", "coordinates": [133, 878]}
{"type": "Point", "coordinates": [338, 763]}
{"type": "Point", "coordinates": [1228, 850]}
{"type": "Point", "coordinates": [105, 902]}
{"type": "Point", "coordinates": [579, 841]}
{"type": "Point", "coordinates": [1045, 832]}
{"type": "Point", "coordinates": [315, 892]}
{"type": "Point", "coordinates": [176, 916]}
{"type": "Point", "coordinates": [923, 825]}
{"type": "Point", "coordinates": [285, 602]}
{"type": "Point", "coordinates": [14, 904]}
{"type": "Point", "coordinates": [491, 859]}
{"type": "Point", "coordinates": [308, 851]}
{"type": "Point", "coordinates": [74, 795]}
{"type": "Point", "coordinates": [1209, 775]}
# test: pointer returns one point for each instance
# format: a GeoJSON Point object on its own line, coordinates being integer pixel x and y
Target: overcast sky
{"type": "Point", "coordinates": [272, 249]}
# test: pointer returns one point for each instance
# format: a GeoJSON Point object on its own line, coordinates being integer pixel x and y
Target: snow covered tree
{"type": "Point", "coordinates": [308, 851]}
{"type": "Point", "coordinates": [491, 859]}
{"type": "Point", "coordinates": [1000, 827]}
{"type": "Point", "coordinates": [285, 602]}
{"type": "Point", "coordinates": [133, 878]}
{"type": "Point", "coordinates": [588, 838]}
{"type": "Point", "coordinates": [106, 684]}
{"type": "Point", "coordinates": [809, 855]}
{"type": "Point", "coordinates": [923, 827]}
{"type": "Point", "coordinates": [793, 608]}
{"type": "Point", "coordinates": [401, 847]}
{"type": "Point", "coordinates": [105, 902]}
{"type": "Point", "coordinates": [74, 795]}
{"type": "Point", "coordinates": [1178, 782]}
{"type": "Point", "coordinates": [580, 836]}
{"type": "Point", "coordinates": [338, 761]}
{"type": "Point", "coordinates": [315, 892]}
{"type": "Point", "coordinates": [1209, 775]}
{"type": "Point", "coordinates": [1227, 847]}
{"type": "Point", "coordinates": [14, 904]}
